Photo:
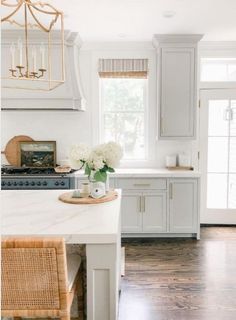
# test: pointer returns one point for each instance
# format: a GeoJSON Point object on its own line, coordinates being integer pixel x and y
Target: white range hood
{"type": "Point", "coordinates": [68, 96]}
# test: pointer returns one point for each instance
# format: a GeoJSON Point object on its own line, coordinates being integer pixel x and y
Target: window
{"type": "Point", "coordinates": [123, 105]}
{"type": "Point", "coordinates": [221, 188]}
{"type": "Point", "coordinates": [218, 69]}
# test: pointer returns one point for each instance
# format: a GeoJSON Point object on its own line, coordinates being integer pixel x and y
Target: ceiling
{"type": "Point", "coordinates": [138, 20]}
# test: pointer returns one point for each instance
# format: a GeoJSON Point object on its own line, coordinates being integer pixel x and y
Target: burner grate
{"type": "Point", "coordinates": [8, 170]}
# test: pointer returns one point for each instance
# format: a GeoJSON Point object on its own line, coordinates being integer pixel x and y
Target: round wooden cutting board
{"type": "Point", "coordinates": [12, 149]}
{"type": "Point", "coordinates": [67, 198]}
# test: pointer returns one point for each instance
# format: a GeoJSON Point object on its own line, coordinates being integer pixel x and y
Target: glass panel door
{"type": "Point", "coordinates": [218, 156]}
{"type": "Point", "coordinates": [221, 154]}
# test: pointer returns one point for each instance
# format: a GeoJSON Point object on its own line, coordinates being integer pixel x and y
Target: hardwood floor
{"type": "Point", "coordinates": [181, 279]}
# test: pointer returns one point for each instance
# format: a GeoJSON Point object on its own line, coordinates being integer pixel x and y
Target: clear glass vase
{"type": "Point", "coordinates": [92, 180]}
{"type": "Point", "coordinates": [91, 176]}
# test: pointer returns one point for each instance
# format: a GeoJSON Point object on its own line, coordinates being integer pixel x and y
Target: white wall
{"type": "Point", "coordinates": [68, 127]}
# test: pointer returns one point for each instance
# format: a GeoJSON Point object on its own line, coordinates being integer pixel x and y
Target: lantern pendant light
{"type": "Point", "coordinates": [33, 38]}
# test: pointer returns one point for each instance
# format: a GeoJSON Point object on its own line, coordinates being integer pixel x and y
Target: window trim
{"type": "Point", "coordinates": [221, 61]}
{"type": "Point", "coordinates": [216, 50]}
{"type": "Point", "coordinates": [151, 115]}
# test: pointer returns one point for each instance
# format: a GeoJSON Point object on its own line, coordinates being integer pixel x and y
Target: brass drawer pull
{"type": "Point", "coordinates": [142, 184]}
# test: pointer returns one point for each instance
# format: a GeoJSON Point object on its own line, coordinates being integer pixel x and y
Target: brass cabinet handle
{"type": "Point", "coordinates": [171, 191]}
{"type": "Point", "coordinates": [141, 204]}
{"type": "Point", "coordinates": [142, 184]}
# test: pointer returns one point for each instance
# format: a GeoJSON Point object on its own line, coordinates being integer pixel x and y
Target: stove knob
{"type": "Point", "coordinates": [38, 183]}
{"type": "Point", "coordinates": [45, 183]}
{"type": "Point", "coordinates": [32, 183]}
{"type": "Point", "coordinates": [62, 183]}
{"type": "Point", "coordinates": [27, 183]}
{"type": "Point", "coordinates": [15, 183]}
{"type": "Point", "coordinates": [56, 183]}
{"type": "Point", "coordinates": [9, 183]}
{"type": "Point", "coordinates": [21, 183]}
{"type": "Point", "coordinates": [3, 183]}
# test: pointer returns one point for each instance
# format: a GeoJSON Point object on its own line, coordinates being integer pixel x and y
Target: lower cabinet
{"type": "Point", "coordinates": [131, 216]}
{"type": "Point", "coordinates": [152, 206]}
{"type": "Point", "coordinates": [143, 212]}
{"type": "Point", "coordinates": [171, 211]}
{"type": "Point", "coordinates": [154, 212]}
{"type": "Point", "coordinates": [183, 205]}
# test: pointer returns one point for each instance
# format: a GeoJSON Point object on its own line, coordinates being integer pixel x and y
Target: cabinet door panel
{"type": "Point", "coordinates": [131, 216]}
{"type": "Point", "coordinates": [154, 212]}
{"type": "Point", "coordinates": [177, 90]}
{"type": "Point", "coordinates": [183, 206]}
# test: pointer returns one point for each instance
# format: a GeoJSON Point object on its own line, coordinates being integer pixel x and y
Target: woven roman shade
{"type": "Point", "coordinates": [123, 68]}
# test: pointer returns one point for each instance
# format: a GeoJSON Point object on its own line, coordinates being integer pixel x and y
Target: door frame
{"type": "Point", "coordinates": [211, 216]}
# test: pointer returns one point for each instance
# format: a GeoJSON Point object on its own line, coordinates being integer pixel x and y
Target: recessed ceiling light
{"type": "Point", "coordinates": [168, 14]}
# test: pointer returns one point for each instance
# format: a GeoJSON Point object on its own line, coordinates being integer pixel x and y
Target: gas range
{"type": "Point", "coordinates": [24, 178]}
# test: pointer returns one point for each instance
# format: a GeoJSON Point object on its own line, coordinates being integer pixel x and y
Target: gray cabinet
{"type": "Point", "coordinates": [154, 212]}
{"type": "Point", "coordinates": [159, 206]}
{"type": "Point", "coordinates": [143, 212]}
{"type": "Point", "coordinates": [143, 208]}
{"type": "Point", "coordinates": [131, 214]}
{"type": "Point", "coordinates": [177, 85]}
{"type": "Point", "coordinates": [183, 205]}
{"type": "Point", "coordinates": [153, 207]}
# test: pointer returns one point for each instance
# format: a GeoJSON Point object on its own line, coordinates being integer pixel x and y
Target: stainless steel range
{"type": "Point", "coordinates": [16, 178]}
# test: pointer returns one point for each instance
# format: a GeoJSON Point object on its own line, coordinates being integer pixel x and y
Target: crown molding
{"type": "Point", "coordinates": [159, 39]}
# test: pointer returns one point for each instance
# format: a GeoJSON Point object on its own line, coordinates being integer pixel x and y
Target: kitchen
{"type": "Point", "coordinates": [174, 66]}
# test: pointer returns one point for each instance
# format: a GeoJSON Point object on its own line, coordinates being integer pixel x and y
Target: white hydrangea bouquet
{"type": "Point", "coordinates": [97, 161]}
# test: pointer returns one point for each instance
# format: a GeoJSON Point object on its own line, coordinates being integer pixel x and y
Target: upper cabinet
{"type": "Point", "coordinates": [177, 85]}
{"type": "Point", "coordinates": [67, 96]}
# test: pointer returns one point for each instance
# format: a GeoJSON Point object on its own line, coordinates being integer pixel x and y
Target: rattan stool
{"type": "Point", "coordinates": [38, 279]}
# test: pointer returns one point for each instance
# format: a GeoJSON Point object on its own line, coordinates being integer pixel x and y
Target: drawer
{"type": "Point", "coordinates": [142, 183]}
{"type": "Point", "coordinates": [82, 180]}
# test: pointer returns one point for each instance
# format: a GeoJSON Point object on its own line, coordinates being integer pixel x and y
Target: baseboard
{"type": "Point", "coordinates": [217, 225]}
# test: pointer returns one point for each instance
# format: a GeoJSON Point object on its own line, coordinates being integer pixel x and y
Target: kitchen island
{"type": "Point", "coordinates": [40, 213]}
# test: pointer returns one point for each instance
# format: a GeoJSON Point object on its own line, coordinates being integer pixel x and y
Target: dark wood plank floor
{"type": "Point", "coordinates": [181, 279]}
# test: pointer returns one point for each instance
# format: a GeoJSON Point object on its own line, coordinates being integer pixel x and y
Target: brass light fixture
{"type": "Point", "coordinates": [33, 45]}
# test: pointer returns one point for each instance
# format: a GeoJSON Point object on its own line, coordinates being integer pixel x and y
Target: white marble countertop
{"type": "Point", "coordinates": [149, 173]}
{"type": "Point", "coordinates": [39, 212]}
